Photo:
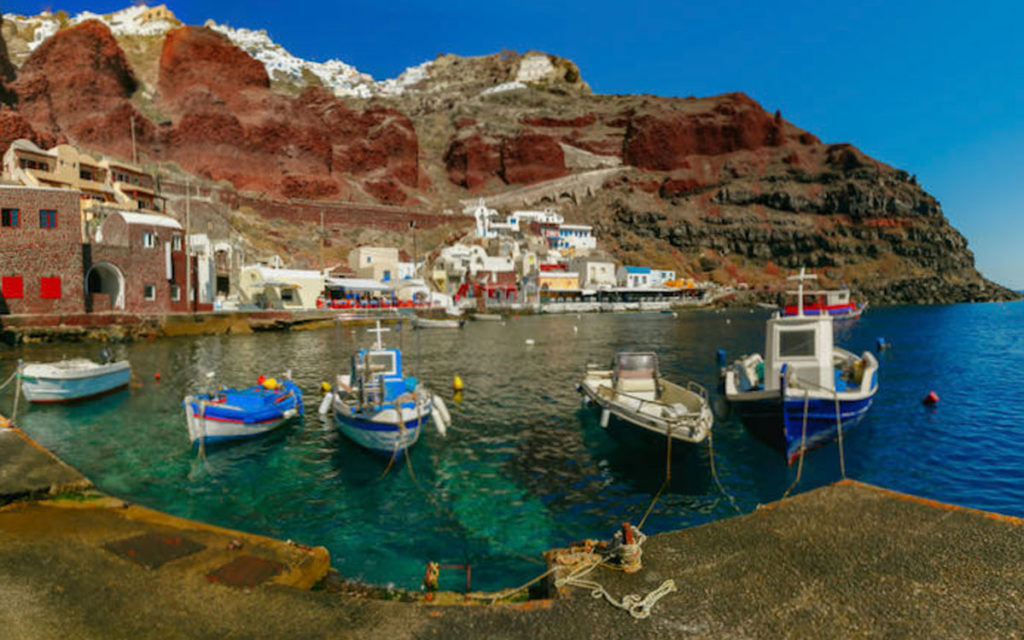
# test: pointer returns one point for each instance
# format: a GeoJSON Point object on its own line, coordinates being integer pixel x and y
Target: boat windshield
{"type": "Point", "coordinates": [636, 365]}
{"type": "Point", "coordinates": [380, 363]}
{"type": "Point", "coordinates": [796, 343]}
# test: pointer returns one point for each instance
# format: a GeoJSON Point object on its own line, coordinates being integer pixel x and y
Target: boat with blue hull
{"type": "Point", "coordinates": [232, 414]}
{"type": "Point", "coordinates": [804, 390]}
{"type": "Point", "coordinates": [378, 407]}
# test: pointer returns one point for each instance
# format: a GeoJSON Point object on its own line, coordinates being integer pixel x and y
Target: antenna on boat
{"type": "Point", "coordinates": [378, 331]}
{"type": "Point", "coordinates": [800, 288]}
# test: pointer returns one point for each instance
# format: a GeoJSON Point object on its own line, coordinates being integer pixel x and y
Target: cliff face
{"type": "Point", "coordinates": [714, 187]}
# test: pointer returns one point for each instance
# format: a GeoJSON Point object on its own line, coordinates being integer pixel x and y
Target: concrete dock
{"type": "Point", "coordinates": [845, 560]}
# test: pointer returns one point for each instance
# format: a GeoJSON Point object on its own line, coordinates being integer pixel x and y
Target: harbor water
{"type": "Point", "coordinates": [524, 468]}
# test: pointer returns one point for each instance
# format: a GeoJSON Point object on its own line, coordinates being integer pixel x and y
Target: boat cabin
{"type": "Point", "coordinates": [378, 374]}
{"type": "Point", "coordinates": [636, 374]}
{"type": "Point", "coordinates": [804, 345]}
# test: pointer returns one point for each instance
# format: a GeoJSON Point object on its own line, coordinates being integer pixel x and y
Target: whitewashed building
{"type": "Point", "coordinates": [634, 277]}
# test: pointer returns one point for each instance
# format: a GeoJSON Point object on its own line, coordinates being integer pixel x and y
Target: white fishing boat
{"type": "Point", "coordinates": [421, 322]}
{"type": "Point", "coordinates": [804, 390]}
{"type": "Point", "coordinates": [636, 401]}
{"type": "Point", "coordinates": [378, 407]}
{"type": "Point", "coordinates": [73, 379]}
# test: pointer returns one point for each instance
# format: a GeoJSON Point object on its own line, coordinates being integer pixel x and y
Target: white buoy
{"type": "Point", "coordinates": [575, 329]}
{"type": "Point", "coordinates": [325, 404]}
{"type": "Point", "coordinates": [605, 414]}
{"type": "Point", "coordinates": [530, 342]}
{"type": "Point", "coordinates": [440, 415]}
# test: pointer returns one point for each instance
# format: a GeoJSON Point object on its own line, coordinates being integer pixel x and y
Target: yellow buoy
{"type": "Point", "coordinates": [270, 383]}
{"type": "Point", "coordinates": [457, 383]}
{"type": "Point", "coordinates": [325, 387]}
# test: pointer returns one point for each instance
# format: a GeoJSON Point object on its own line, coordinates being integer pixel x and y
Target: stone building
{"type": "Point", "coordinates": [136, 263]}
{"type": "Point", "coordinates": [40, 251]}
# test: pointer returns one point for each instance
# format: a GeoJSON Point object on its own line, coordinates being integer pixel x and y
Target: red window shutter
{"type": "Point", "coordinates": [12, 287]}
{"type": "Point", "coordinates": [49, 288]}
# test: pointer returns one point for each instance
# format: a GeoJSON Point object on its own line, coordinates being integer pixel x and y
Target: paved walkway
{"type": "Point", "coordinates": [844, 560]}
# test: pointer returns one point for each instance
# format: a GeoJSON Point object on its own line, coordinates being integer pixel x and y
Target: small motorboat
{"type": "Point", "coordinates": [487, 317]}
{"type": "Point", "coordinates": [834, 303]}
{"type": "Point", "coordinates": [635, 399]}
{"type": "Point", "coordinates": [229, 414]}
{"type": "Point", "coordinates": [804, 389]}
{"type": "Point", "coordinates": [73, 379]}
{"type": "Point", "coordinates": [378, 407]}
{"type": "Point", "coordinates": [421, 322]}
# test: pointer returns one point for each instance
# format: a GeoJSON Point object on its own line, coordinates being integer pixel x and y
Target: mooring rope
{"type": "Point", "coordinates": [9, 378]}
{"type": "Point", "coordinates": [668, 476]}
{"type": "Point", "coordinates": [803, 444]}
{"type": "Point", "coordinates": [839, 430]}
{"type": "Point", "coordinates": [714, 472]}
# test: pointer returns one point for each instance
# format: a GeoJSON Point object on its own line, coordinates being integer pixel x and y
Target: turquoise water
{"type": "Point", "coordinates": [523, 468]}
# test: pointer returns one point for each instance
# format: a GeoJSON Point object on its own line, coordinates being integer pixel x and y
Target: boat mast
{"type": "Point", "coordinates": [378, 331]}
{"type": "Point", "coordinates": [800, 288]}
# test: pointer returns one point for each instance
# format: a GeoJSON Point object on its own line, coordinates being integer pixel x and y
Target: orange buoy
{"type": "Point", "coordinates": [156, 375]}
{"type": "Point", "coordinates": [260, 380]}
{"type": "Point", "coordinates": [931, 399]}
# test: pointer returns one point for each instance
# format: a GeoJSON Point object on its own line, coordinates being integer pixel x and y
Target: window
{"type": "Point", "coordinates": [11, 287]}
{"type": "Point", "coordinates": [148, 239]}
{"type": "Point", "coordinates": [10, 218]}
{"type": "Point", "coordinates": [796, 343]}
{"type": "Point", "coordinates": [149, 292]}
{"type": "Point", "coordinates": [175, 292]}
{"type": "Point", "coordinates": [47, 219]}
{"type": "Point", "coordinates": [380, 364]}
{"type": "Point", "coordinates": [176, 243]}
{"type": "Point", "coordinates": [287, 295]}
{"type": "Point", "coordinates": [85, 174]}
{"type": "Point", "coordinates": [49, 288]}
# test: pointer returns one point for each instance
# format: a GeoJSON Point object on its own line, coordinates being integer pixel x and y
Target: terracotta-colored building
{"type": "Point", "coordinates": [40, 251]}
{"type": "Point", "coordinates": [136, 263]}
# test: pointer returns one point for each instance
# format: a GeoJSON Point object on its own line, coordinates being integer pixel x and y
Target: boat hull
{"type": "Point", "coordinates": [212, 420]}
{"type": "Point", "coordinates": [380, 432]}
{"type": "Point", "coordinates": [780, 423]}
{"type": "Point", "coordinates": [48, 386]}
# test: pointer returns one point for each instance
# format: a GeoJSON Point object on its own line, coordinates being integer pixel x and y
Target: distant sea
{"type": "Point", "coordinates": [524, 468]}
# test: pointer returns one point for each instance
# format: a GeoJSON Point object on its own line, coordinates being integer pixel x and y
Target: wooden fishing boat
{"type": "Point", "coordinates": [229, 414]}
{"type": "Point", "coordinates": [378, 407]}
{"type": "Point", "coordinates": [804, 389]}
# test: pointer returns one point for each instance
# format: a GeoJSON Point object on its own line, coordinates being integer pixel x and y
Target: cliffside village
{"type": "Point", "coordinates": [82, 234]}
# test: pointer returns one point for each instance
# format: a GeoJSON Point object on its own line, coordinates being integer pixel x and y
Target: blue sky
{"type": "Point", "coordinates": [936, 88]}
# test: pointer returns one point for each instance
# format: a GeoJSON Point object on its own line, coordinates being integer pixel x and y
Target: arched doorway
{"type": "Point", "coordinates": [106, 280]}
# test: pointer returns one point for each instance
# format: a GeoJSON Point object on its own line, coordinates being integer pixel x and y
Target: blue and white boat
{"type": "Point", "coordinates": [230, 414]}
{"type": "Point", "coordinates": [73, 379]}
{"type": "Point", "coordinates": [805, 389]}
{"type": "Point", "coordinates": [381, 409]}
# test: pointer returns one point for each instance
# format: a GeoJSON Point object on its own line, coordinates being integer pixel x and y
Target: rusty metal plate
{"type": "Point", "coordinates": [152, 550]}
{"type": "Point", "coordinates": [246, 571]}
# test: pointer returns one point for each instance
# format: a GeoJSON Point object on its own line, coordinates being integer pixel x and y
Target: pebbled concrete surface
{"type": "Point", "coordinates": [848, 560]}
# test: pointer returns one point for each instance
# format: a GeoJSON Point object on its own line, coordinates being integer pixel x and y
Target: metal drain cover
{"type": "Point", "coordinates": [152, 550]}
{"type": "Point", "coordinates": [246, 571]}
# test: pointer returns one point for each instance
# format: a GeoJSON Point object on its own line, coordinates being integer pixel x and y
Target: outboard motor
{"type": "Point", "coordinates": [106, 356]}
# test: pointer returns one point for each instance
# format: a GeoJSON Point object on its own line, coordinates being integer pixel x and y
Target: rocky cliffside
{"type": "Point", "coordinates": [714, 187]}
